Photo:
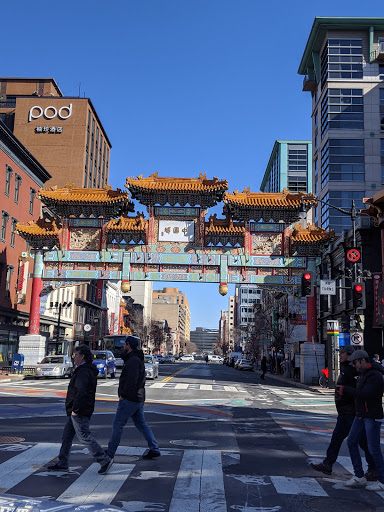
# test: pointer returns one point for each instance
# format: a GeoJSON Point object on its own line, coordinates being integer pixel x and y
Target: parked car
{"type": "Point", "coordinates": [215, 358]}
{"type": "Point", "coordinates": [151, 367]}
{"type": "Point", "coordinates": [54, 366]}
{"type": "Point", "coordinates": [105, 362]}
{"type": "Point", "coordinates": [244, 364]}
{"type": "Point", "coordinates": [169, 359]}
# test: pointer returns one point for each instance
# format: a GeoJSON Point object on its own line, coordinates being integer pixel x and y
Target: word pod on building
{"type": "Point", "coordinates": [50, 112]}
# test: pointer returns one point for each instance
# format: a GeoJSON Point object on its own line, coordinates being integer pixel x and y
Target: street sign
{"type": "Point", "coordinates": [87, 327]}
{"type": "Point", "coordinates": [327, 287]}
{"type": "Point", "coordinates": [354, 255]}
{"type": "Point", "coordinates": [357, 339]}
{"type": "Point", "coordinates": [333, 327]}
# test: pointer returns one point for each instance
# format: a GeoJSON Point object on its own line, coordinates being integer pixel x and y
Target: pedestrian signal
{"type": "Point", "coordinates": [358, 295]}
{"type": "Point", "coordinates": [307, 284]}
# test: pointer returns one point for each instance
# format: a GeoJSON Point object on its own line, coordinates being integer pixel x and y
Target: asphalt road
{"type": "Point", "coordinates": [229, 442]}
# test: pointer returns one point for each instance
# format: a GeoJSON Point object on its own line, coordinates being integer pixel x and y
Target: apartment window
{"type": "Point", "coordinates": [8, 277]}
{"type": "Point", "coordinates": [32, 195]}
{"type": "Point", "coordinates": [342, 59]}
{"type": "Point", "coordinates": [8, 175]}
{"type": "Point", "coordinates": [18, 180]}
{"type": "Point", "coordinates": [342, 109]}
{"type": "Point", "coordinates": [382, 160]}
{"type": "Point", "coordinates": [13, 231]}
{"type": "Point", "coordinates": [342, 160]}
{"type": "Point", "coordinates": [4, 222]}
{"type": "Point", "coordinates": [381, 72]}
{"type": "Point", "coordinates": [381, 109]}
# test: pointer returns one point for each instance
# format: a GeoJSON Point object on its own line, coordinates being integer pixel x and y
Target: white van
{"type": "Point", "coordinates": [215, 358]}
{"type": "Point", "coordinates": [187, 357]}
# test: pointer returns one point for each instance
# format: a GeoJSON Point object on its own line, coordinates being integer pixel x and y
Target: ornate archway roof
{"type": "Point", "coordinates": [128, 224]}
{"type": "Point", "coordinates": [310, 237]}
{"type": "Point", "coordinates": [98, 202]}
{"type": "Point", "coordinates": [249, 205]}
{"type": "Point", "coordinates": [226, 226]}
{"type": "Point", "coordinates": [162, 190]}
{"type": "Point", "coordinates": [40, 233]}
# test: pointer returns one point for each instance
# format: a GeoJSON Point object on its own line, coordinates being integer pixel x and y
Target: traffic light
{"type": "Point", "coordinates": [358, 295]}
{"type": "Point", "coordinates": [307, 284]}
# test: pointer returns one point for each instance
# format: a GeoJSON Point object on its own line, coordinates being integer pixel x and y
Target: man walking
{"type": "Point", "coordinates": [345, 406]}
{"type": "Point", "coordinates": [131, 399]}
{"type": "Point", "coordinates": [79, 404]}
{"type": "Point", "coordinates": [368, 396]}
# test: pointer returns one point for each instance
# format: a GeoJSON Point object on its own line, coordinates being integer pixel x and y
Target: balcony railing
{"type": "Point", "coordinates": [378, 54]}
{"type": "Point", "coordinates": [309, 82]}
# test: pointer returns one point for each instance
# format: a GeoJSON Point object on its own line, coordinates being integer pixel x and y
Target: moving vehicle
{"type": "Point", "coordinates": [187, 357]}
{"type": "Point", "coordinates": [215, 358]}
{"type": "Point", "coordinates": [54, 366]}
{"type": "Point", "coordinates": [114, 343]}
{"type": "Point", "coordinates": [244, 364]}
{"type": "Point", "coordinates": [105, 362]}
{"type": "Point", "coordinates": [169, 359]}
{"type": "Point", "coordinates": [151, 367]}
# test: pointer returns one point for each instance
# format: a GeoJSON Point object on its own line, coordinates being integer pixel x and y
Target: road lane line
{"type": "Point", "coordinates": [186, 493]}
{"type": "Point", "coordinates": [93, 488]}
{"type": "Point", "coordinates": [177, 373]}
{"type": "Point", "coordinates": [14, 470]}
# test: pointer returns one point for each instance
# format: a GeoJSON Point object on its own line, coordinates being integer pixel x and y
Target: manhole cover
{"type": "Point", "coordinates": [339, 504]}
{"type": "Point", "coordinates": [192, 442]}
{"type": "Point", "coordinates": [5, 439]}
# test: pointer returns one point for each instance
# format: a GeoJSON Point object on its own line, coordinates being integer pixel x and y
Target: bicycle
{"type": "Point", "coordinates": [323, 380]}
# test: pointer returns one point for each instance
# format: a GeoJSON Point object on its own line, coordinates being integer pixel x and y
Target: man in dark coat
{"type": "Point", "coordinates": [263, 367]}
{"type": "Point", "coordinates": [79, 404]}
{"type": "Point", "coordinates": [131, 399]}
{"type": "Point", "coordinates": [368, 396]}
{"type": "Point", "coordinates": [345, 406]}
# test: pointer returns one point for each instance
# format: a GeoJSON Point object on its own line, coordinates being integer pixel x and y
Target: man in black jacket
{"type": "Point", "coordinates": [368, 396]}
{"type": "Point", "coordinates": [345, 406]}
{"type": "Point", "coordinates": [79, 404]}
{"type": "Point", "coordinates": [131, 399]}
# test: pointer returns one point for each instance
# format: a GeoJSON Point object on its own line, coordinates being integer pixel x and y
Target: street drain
{"type": "Point", "coordinates": [339, 504]}
{"type": "Point", "coordinates": [6, 440]}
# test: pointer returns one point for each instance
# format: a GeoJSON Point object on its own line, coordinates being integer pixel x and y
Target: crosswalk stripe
{"type": "Point", "coordinates": [307, 486]}
{"type": "Point", "coordinates": [205, 387]}
{"type": "Point", "coordinates": [212, 483]}
{"type": "Point", "coordinates": [107, 383]}
{"type": "Point", "coordinates": [347, 463]}
{"type": "Point", "coordinates": [93, 488]}
{"type": "Point", "coordinates": [232, 388]}
{"type": "Point", "coordinates": [16, 469]}
{"type": "Point", "coordinates": [181, 386]}
{"type": "Point", "coordinates": [186, 493]}
{"type": "Point", "coordinates": [157, 385]}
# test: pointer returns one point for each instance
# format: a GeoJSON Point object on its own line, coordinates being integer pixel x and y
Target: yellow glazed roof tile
{"type": "Point", "coordinates": [285, 199]}
{"type": "Point", "coordinates": [69, 194]}
{"type": "Point", "coordinates": [125, 223]}
{"type": "Point", "coordinates": [163, 184]}
{"type": "Point", "coordinates": [310, 235]}
{"type": "Point", "coordinates": [223, 226]}
{"type": "Point", "coordinates": [39, 229]}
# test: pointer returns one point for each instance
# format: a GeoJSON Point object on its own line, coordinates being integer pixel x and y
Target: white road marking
{"type": "Point", "coordinates": [181, 386]}
{"type": "Point", "coordinates": [93, 488]}
{"type": "Point", "coordinates": [212, 483]}
{"type": "Point", "coordinates": [307, 486]}
{"type": "Point", "coordinates": [186, 493]}
{"type": "Point", "coordinates": [232, 388]}
{"type": "Point", "coordinates": [14, 470]}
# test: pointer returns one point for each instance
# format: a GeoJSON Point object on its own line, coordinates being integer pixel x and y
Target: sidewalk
{"type": "Point", "coordinates": [295, 383]}
{"type": "Point", "coordinates": [10, 378]}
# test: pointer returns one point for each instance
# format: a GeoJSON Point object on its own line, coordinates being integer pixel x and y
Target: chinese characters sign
{"type": "Point", "coordinates": [176, 230]}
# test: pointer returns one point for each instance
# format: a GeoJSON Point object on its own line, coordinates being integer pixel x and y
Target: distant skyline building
{"type": "Point", "coordinates": [172, 305]}
{"type": "Point", "coordinates": [343, 68]}
{"type": "Point", "coordinates": [289, 167]}
{"type": "Point", "coordinates": [204, 339]}
{"type": "Point", "coordinates": [247, 295]}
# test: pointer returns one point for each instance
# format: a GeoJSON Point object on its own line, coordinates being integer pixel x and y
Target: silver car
{"type": "Point", "coordinates": [151, 367]}
{"type": "Point", "coordinates": [54, 366]}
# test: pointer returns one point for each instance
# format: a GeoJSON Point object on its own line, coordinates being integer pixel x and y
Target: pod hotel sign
{"type": "Point", "coordinates": [50, 112]}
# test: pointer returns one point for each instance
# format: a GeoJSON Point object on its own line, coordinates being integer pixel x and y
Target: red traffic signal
{"type": "Point", "coordinates": [358, 295]}
{"type": "Point", "coordinates": [307, 284]}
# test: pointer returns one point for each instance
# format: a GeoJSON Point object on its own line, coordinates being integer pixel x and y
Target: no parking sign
{"type": "Point", "coordinates": [357, 339]}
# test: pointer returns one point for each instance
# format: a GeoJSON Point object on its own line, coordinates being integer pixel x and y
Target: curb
{"type": "Point", "coordinates": [317, 389]}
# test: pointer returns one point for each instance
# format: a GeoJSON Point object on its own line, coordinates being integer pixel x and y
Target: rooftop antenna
{"type": "Point", "coordinates": [79, 89]}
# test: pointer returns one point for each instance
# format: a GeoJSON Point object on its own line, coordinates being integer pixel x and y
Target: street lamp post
{"type": "Point", "coordinates": [59, 306]}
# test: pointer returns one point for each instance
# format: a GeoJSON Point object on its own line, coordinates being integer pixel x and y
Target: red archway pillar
{"type": "Point", "coordinates": [37, 284]}
{"type": "Point", "coordinates": [312, 318]}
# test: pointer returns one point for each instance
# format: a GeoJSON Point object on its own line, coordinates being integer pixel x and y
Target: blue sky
{"type": "Point", "coordinates": [181, 86]}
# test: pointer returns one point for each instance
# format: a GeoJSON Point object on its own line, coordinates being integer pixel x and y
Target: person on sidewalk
{"type": "Point", "coordinates": [131, 399]}
{"type": "Point", "coordinates": [206, 359]}
{"type": "Point", "coordinates": [368, 395]}
{"type": "Point", "coordinates": [79, 404]}
{"type": "Point", "coordinates": [345, 406]}
{"type": "Point", "coordinates": [263, 367]}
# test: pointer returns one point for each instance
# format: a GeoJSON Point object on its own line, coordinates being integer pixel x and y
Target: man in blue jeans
{"type": "Point", "coordinates": [79, 405]}
{"type": "Point", "coordinates": [131, 399]}
{"type": "Point", "coordinates": [368, 396]}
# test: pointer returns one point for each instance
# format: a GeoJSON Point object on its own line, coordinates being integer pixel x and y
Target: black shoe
{"type": "Point", "coordinates": [323, 468]}
{"type": "Point", "coordinates": [104, 469]}
{"type": "Point", "coordinates": [56, 467]}
{"type": "Point", "coordinates": [151, 455]}
{"type": "Point", "coordinates": [371, 475]}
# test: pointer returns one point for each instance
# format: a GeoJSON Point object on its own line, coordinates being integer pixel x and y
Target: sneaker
{"type": "Point", "coordinates": [151, 455]}
{"type": "Point", "coordinates": [56, 467]}
{"type": "Point", "coordinates": [375, 486]}
{"type": "Point", "coordinates": [104, 469]}
{"type": "Point", "coordinates": [322, 467]}
{"type": "Point", "coordinates": [355, 481]}
{"type": "Point", "coordinates": [371, 475]}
